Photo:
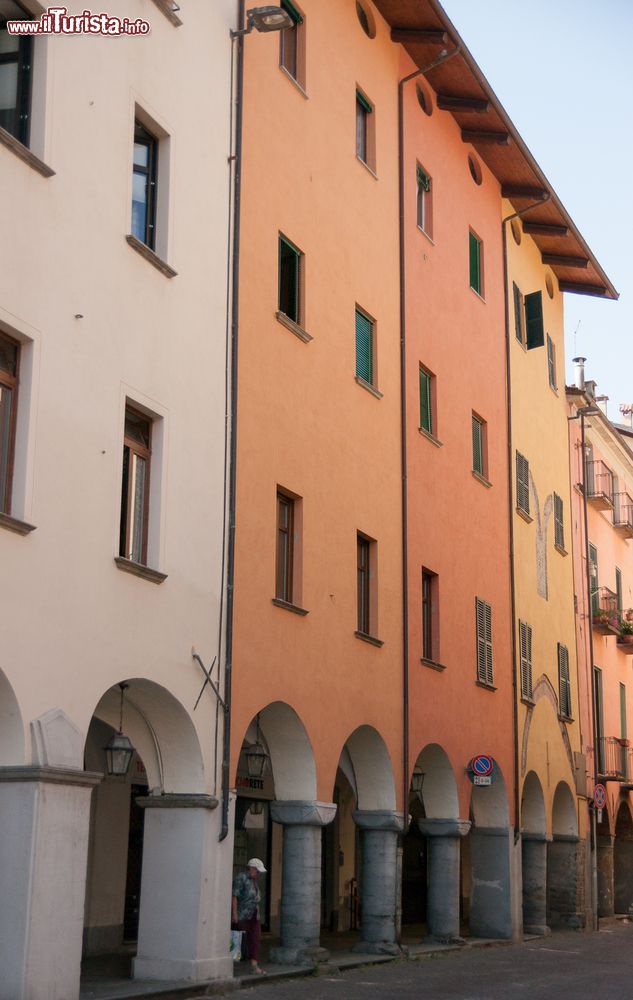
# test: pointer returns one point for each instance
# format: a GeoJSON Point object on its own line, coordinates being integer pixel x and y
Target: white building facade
{"type": "Point", "coordinates": [115, 172]}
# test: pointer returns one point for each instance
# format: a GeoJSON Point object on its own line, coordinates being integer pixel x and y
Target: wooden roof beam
{"type": "Point", "coordinates": [452, 102]}
{"type": "Point", "coordinates": [563, 260]}
{"type": "Point", "coordinates": [523, 191]}
{"type": "Point", "coordinates": [545, 229]}
{"type": "Point", "coordinates": [478, 137]}
{"type": "Point", "coordinates": [573, 286]}
{"type": "Point", "coordinates": [419, 36]}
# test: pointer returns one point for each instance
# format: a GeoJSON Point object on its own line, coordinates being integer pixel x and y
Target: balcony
{"type": "Point", "coordinates": [599, 480]}
{"type": "Point", "coordinates": [625, 639]}
{"type": "Point", "coordinates": [614, 759]}
{"type": "Point", "coordinates": [605, 616]}
{"type": "Point", "coordinates": [623, 514]}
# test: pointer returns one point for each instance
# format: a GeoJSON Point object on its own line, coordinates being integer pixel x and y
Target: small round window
{"type": "Point", "coordinates": [366, 19]}
{"type": "Point", "coordinates": [475, 169]}
{"type": "Point", "coordinates": [515, 225]}
{"type": "Point", "coordinates": [424, 99]}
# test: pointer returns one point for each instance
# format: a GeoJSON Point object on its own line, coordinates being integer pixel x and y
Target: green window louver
{"type": "Point", "coordinates": [534, 328]}
{"type": "Point", "coordinates": [424, 181]}
{"type": "Point", "coordinates": [426, 416]}
{"type": "Point", "coordinates": [559, 525]}
{"type": "Point", "coordinates": [478, 446]}
{"type": "Point", "coordinates": [475, 262]}
{"type": "Point", "coordinates": [290, 8]}
{"type": "Point", "coordinates": [522, 483]}
{"type": "Point", "coordinates": [564, 683]}
{"type": "Point", "coordinates": [483, 628]}
{"type": "Point", "coordinates": [525, 644]}
{"type": "Point", "coordinates": [551, 362]}
{"type": "Point", "coordinates": [364, 103]}
{"type": "Point", "coordinates": [364, 348]}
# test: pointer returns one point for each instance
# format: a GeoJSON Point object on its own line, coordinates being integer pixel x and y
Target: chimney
{"type": "Point", "coordinates": [602, 402]}
{"type": "Point", "coordinates": [626, 409]}
{"type": "Point", "coordinates": [590, 387]}
{"type": "Point", "coordinates": [579, 373]}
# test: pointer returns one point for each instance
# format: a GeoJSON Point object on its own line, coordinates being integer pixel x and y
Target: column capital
{"type": "Point", "coordinates": [444, 827]}
{"type": "Point", "coordinates": [177, 800]}
{"type": "Point", "coordinates": [302, 812]}
{"type": "Point", "coordinates": [50, 776]}
{"type": "Point", "coordinates": [379, 819]}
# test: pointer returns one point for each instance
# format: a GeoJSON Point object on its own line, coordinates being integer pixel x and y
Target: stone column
{"type": "Point", "coordinates": [184, 918]}
{"type": "Point", "coordinates": [623, 875]}
{"type": "Point", "coordinates": [490, 913]}
{"type": "Point", "coordinates": [301, 880]}
{"type": "Point", "coordinates": [44, 831]}
{"type": "Point", "coordinates": [565, 860]}
{"type": "Point", "coordinates": [604, 860]}
{"type": "Point", "coordinates": [443, 869]}
{"type": "Point", "coordinates": [379, 874]}
{"type": "Point", "coordinates": [534, 863]}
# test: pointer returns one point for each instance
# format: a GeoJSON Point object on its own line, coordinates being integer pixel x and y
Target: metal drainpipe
{"type": "Point", "coordinates": [230, 572]}
{"type": "Point", "coordinates": [515, 711]}
{"type": "Point", "coordinates": [403, 420]}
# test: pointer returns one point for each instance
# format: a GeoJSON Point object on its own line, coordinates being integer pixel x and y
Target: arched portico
{"type": "Point", "coordinates": [11, 726]}
{"type": "Point", "coordinates": [489, 844]}
{"type": "Point", "coordinates": [605, 862]}
{"type": "Point", "coordinates": [623, 861]}
{"type": "Point", "coordinates": [534, 856]}
{"type": "Point", "coordinates": [565, 862]}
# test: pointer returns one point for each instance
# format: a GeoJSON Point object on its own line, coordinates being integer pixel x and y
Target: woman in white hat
{"type": "Point", "coordinates": [245, 910]}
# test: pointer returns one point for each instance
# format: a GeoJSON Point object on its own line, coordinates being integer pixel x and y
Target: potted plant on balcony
{"type": "Point", "coordinates": [626, 630]}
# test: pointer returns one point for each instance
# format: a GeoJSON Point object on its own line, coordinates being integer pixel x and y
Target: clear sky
{"type": "Point", "coordinates": [563, 70]}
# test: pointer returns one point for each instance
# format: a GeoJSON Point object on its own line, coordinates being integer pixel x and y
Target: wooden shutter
{"type": "Point", "coordinates": [426, 418]}
{"type": "Point", "coordinates": [364, 103]}
{"type": "Point", "coordinates": [478, 450]}
{"type": "Point", "coordinates": [483, 616]}
{"type": "Point", "coordinates": [535, 331]}
{"type": "Point", "coordinates": [290, 8]}
{"type": "Point", "coordinates": [551, 362]}
{"type": "Point", "coordinates": [523, 483]}
{"type": "Point", "coordinates": [475, 262]}
{"type": "Point", "coordinates": [559, 527]}
{"type": "Point", "coordinates": [564, 686]}
{"type": "Point", "coordinates": [364, 348]}
{"type": "Point", "coordinates": [518, 312]}
{"type": "Point", "coordinates": [525, 644]}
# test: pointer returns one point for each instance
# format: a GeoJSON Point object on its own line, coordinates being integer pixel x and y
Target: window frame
{"type": "Point", "coordinates": [363, 583]}
{"type": "Point", "coordinates": [519, 319]}
{"type": "Point", "coordinates": [23, 57]}
{"type": "Point", "coordinates": [365, 130]}
{"type": "Point", "coordinates": [481, 425]}
{"type": "Point", "coordinates": [522, 466]}
{"type": "Point", "coordinates": [429, 618]}
{"type": "Point", "coordinates": [525, 660]}
{"type": "Point", "coordinates": [559, 522]}
{"type": "Point", "coordinates": [428, 393]}
{"type": "Point", "coordinates": [298, 255]}
{"type": "Point", "coordinates": [564, 682]}
{"type": "Point", "coordinates": [483, 634]}
{"type": "Point", "coordinates": [594, 594]}
{"type": "Point", "coordinates": [424, 201]}
{"type": "Point", "coordinates": [126, 531]}
{"type": "Point", "coordinates": [284, 561]}
{"type": "Point", "coordinates": [295, 65]}
{"type": "Point", "coordinates": [551, 363]}
{"type": "Point", "coordinates": [359, 312]}
{"type": "Point", "coordinates": [477, 263]}
{"type": "Point", "coordinates": [11, 382]}
{"type": "Point", "coordinates": [150, 173]}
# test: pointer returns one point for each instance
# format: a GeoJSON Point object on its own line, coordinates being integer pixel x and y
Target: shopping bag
{"type": "Point", "coordinates": [235, 948]}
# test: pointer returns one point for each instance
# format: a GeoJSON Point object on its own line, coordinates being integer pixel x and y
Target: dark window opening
{"type": "Point", "coordinates": [16, 58]}
{"type": "Point", "coordinates": [135, 487]}
{"type": "Point", "coordinates": [362, 574]}
{"type": "Point", "coordinates": [285, 540]}
{"type": "Point", "coordinates": [9, 366]}
{"type": "Point", "coordinates": [144, 178]}
{"type": "Point", "coordinates": [289, 280]}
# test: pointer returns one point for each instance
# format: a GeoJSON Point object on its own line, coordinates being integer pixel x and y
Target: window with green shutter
{"type": "Point", "coordinates": [424, 204]}
{"type": "Point", "coordinates": [426, 412]}
{"type": "Point", "coordinates": [534, 329]}
{"type": "Point", "coordinates": [523, 483]}
{"type": "Point", "coordinates": [551, 362]}
{"type": "Point", "coordinates": [518, 312]}
{"type": "Point", "coordinates": [525, 649]}
{"type": "Point", "coordinates": [598, 711]}
{"type": "Point", "coordinates": [364, 111]}
{"type": "Point", "coordinates": [289, 279]}
{"type": "Point", "coordinates": [559, 526]}
{"type": "Point", "coordinates": [483, 618]}
{"type": "Point", "coordinates": [618, 587]}
{"type": "Point", "coordinates": [564, 685]}
{"type": "Point", "coordinates": [624, 753]}
{"type": "Point", "coordinates": [364, 347]}
{"type": "Point", "coordinates": [479, 462]}
{"type": "Point", "coordinates": [475, 255]}
{"type": "Point", "coordinates": [593, 577]}
{"type": "Point", "coordinates": [291, 50]}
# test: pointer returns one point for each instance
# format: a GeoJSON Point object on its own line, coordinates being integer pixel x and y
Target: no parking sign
{"type": "Point", "coordinates": [600, 800]}
{"type": "Point", "coordinates": [482, 769]}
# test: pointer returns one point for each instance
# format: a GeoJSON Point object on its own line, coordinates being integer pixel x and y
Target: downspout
{"type": "Point", "coordinates": [515, 709]}
{"type": "Point", "coordinates": [230, 571]}
{"type": "Point", "coordinates": [443, 57]}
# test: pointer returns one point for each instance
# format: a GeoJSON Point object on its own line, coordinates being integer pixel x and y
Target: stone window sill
{"type": "Point", "coordinates": [432, 664]}
{"type": "Point", "coordinates": [293, 327]}
{"type": "Point", "coordinates": [370, 388]}
{"type": "Point", "coordinates": [565, 718]}
{"type": "Point", "coordinates": [369, 638]}
{"type": "Point", "coordinates": [15, 524]}
{"type": "Point", "coordinates": [528, 701]}
{"type": "Point", "coordinates": [526, 517]}
{"type": "Point", "coordinates": [563, 551]}
{"type": "Point", "coordinates": [431, 437]}
{"type": "Point", "coordinates": [169, 9]}
{"type": "Point", "coordinates": [485, 685]}
{"type": "Point", "coordinates": [150, 256]}
{"type": "Point", "coordinates": [137, 569]}
{"type": "Point", "coordinates": [424, 233]}
{"type": "Point", "coordinates": [294, 81]}
{"type": "Point", "coordinates": [24, 153]}
{"type": "Point", "coordinates": [289, 607]}
{"type": "Point", "coordinates": [481, 479]}
{"type": "Point", "coordinates": [478, 294]}
{"type": "Point", "coordinates": [367, 167]}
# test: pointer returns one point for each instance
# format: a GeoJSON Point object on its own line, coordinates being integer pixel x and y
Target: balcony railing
{"type": "Point", "coordinates": [599, 479]}
{"type": "Point", "coordinates": [625, 639]}
{"type": "Point", "coordinates": [623, 514]}
{"type": "Point", "coordinates": [605, 615]}
{"type": "Point", "coordinates": [614, 759]}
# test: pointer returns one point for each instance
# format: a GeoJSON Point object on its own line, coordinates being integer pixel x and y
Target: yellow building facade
{"type": "Point", "coordinates": [548, 731]}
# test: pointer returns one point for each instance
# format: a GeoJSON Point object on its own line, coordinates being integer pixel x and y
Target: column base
{"type": "Point", "coordinates": [377, 948]}
{"type": "Point", "coordinates": [299, 956]}
{"type": "Point", "coordinates": [441, 939]}
{"type": "Point", "coordinates": [188, 970]}
{"type": "Point", "coordinates": [541, 929]}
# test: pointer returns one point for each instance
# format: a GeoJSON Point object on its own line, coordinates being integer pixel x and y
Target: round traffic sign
{"type": "Point", "coordinates": [481, 764]}
{"type": "Point", "coordinates": [600, 796]}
